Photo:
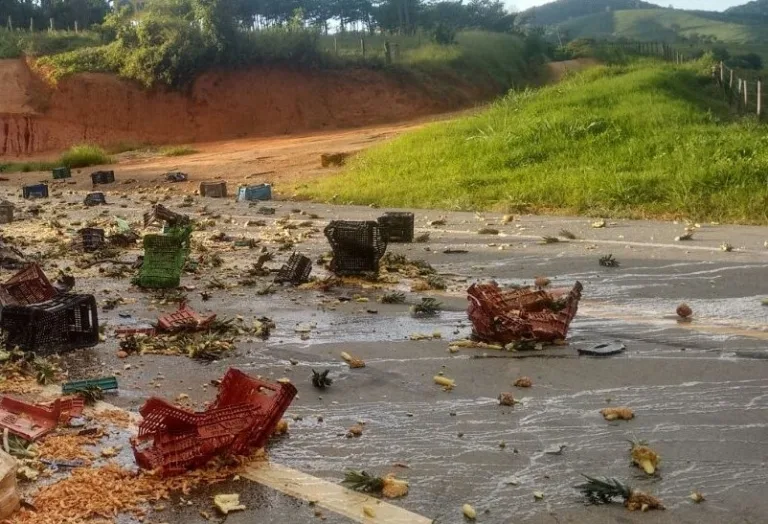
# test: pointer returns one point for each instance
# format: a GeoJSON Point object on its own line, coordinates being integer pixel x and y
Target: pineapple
{"type": "Point", "coordinates": [321, 380]}
{"type": "Point", "coordinates": [392, 298]}
{"type": "Point", "coordinates": [602, 490]}
{"type": "Point", "coordinates": [427, 307]}
{"type": "Point", "coordinates": [644, 457]}
{"type": "Point", "coordinates": [388, 486]}
{"type": "Point", "coordinates": [608, 261]}
{"type": "Point", "coordinates": [617, 413]}
{"type": "Point", "coordinates": [523, 382]}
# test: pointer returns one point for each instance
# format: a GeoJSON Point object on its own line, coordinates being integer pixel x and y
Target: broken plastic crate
{"type": "Point", "coordinates": [255, 192]}
{"type": "Point", "coordinates": [213, 189]}
{"type": "Point", "coordinates": [102, 177]}
{"type": "Point", "coordinates": [32, 421]}
{"type": "Point", "coordinates": [64, 323]}
{"type": "Point", "coordinates": [6, 212]}
{"type": "Point", "coordinates": [28, 286]}
{"type": "Point", "coordinates": [61, 172]}
{"type": "Point", "coordinates": [160, 214]}
{"type": "Point", "coordinates": [104, 383]}
{"type": "Point", "coordinates": [164, 257]}
{"type": "Point", "coordinates": [175, 176]}
{"type": "Point", "coordinates": [243, 417]}
{"type": "Point", "coordinates": [95, 199]}
{"type": "Point", "coordinates": [91, 238]}
{"type": "Point", "coordinates": [35, 191]}
{"type": "Point", "coordinates": [296, 271]}
{"type": "Point", "coordinates": [184, 319]}
{"type": "Point", "coordinates": [398, 226]}
{"type": "Point", "coordinates": [521, 314]}
{"type": "Point", "coordinates": [357, 246]}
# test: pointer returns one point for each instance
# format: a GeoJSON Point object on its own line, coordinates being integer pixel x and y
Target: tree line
{"type": "Point", "coordinates": [388, 16]}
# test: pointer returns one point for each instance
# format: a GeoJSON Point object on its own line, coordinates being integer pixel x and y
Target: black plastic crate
{"type": "Point", "coordinates": [91, 238]}
{"type": "Point", "coordinates": [102, 177]}
{"type": "Point", "coordinates": [296, 271]}
{"type": "Point", "coordinates": [35, 191]}
{"type": "Point", "coordinates": [95, 199]}
{"type": "Point", "coordinates": [61, 172]}
{"type": "Point", "coordinates": [63, 323]}
{"type": "Point", "coordinates": [357, 246]}
{"type": "Point", "coordinates": [398, 226]}
{"type": "Point", "coordinates": [213, 189]}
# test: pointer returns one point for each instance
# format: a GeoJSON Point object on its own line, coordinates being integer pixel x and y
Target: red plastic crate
{"type": "Point", "coordinates": [183, 319]}
{"type": "Point", "coordinates": [32, 421]}
{"type": "Point", "coordinates": [126, 331]}
{"type": "Point", "coordinates": [244, 415]}
{"type": "Point", "coordinates": [522, 314]}
{"type": "Point", "coordinates": [28, 286]}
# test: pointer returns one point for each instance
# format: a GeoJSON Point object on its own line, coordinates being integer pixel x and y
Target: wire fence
{"type": "Point", "coordinates": [745, 90]}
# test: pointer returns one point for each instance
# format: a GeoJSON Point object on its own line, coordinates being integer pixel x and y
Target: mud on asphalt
{"type": "Point", "coordinates": [699, 390]}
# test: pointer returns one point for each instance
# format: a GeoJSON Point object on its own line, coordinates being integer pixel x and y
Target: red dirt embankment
{"type": "Point", "coordinates": [102, 109]}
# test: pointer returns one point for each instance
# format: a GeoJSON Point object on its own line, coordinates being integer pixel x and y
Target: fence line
{"type": "Point", "coordinates": [746, 95]}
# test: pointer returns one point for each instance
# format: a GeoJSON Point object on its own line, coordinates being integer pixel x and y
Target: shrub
{"type": "Point", "coordinates": [84, 155]}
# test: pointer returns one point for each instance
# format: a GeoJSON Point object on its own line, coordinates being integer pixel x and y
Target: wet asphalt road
{"type": "Point", "coordinates": [699, 390]}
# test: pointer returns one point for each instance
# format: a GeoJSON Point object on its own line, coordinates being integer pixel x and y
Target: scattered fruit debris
{"type": "Point", "coordinates": [602, 490]}
{"type": "Point", "coordinates": [684, 311]}
{"type": "Point", "coordinates": [523, 382]}
{"type": "Point", "coordinates": [618, 413]}
{"type": "Point", "coordinates": [644, 457]}
{"type": "Point", "coordinates": [228, 502]}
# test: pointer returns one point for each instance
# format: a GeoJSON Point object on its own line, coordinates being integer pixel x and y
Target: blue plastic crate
{"type": "Point", "coordinates": [61, 172]}
{"type": "Point", "coordinates": [35, 191]}
{"type": "Point", "coordinates": [257, 192]}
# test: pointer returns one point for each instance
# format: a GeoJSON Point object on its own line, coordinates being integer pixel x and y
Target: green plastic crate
{"type": "Point", "coordinates": [164, 257]}
{"type": "Point", "coordinates": [104, 383]}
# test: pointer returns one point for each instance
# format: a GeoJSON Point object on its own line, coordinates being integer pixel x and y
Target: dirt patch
{"type": "Point", "coordinates": [221, 105]}
{"type": "Point", "coordinates": [558, 70]}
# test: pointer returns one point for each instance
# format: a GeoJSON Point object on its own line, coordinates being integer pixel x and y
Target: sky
{"type": "Point", "coordinates": [708, 5]}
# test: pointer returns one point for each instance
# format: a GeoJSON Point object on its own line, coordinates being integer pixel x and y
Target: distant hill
{"type": "Point", "coordinates": [668, 25]}
{"type": "Point", "coordinates": [563, 10]}
{"type": "Point", "coordinates": [755, 8]}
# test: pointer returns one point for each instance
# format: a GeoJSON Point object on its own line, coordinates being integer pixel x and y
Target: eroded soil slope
{"type": "Point", "coordinates": [102, 109]}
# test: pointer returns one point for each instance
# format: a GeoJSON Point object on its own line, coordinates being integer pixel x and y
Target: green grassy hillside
{"type": "Point", "coordinates": [662, 25]}
{"type": "Point", "coordinates": [646, 140]}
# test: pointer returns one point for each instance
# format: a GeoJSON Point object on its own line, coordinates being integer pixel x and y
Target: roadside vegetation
{"type": "Point", "coordinates": [78, 156]}
{"type": "Point", "coordinates": [642, 140]}
{"type": "Point", "coordinates": [168, 43]}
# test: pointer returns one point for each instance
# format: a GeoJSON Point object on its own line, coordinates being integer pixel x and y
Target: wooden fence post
{"type": "Point", "coordinates": [759, 98]}
{"type": "Point", "coordinates": [746, 92]}
{"type": "Point", "coordinates": [50, 27]}
{"type": "Point", "coordinates": [75, 26]}
{"type": "Point", "coordinates": [362, 46]}
{"type": "Point", "coordinates": [722, 74]}
{"type": "Point", "coordinates": [387, 52]}
{"type": "Point", "coordinates": [10, 23]}
{"type": "Point", "coordinates": [335, 46]}
{"type": "Point", "coordinates": [31, 24]}
{"type": "Point", "coordinates": [731, 83]}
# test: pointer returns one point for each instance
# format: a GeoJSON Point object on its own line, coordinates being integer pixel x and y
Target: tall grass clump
{"type": "Point", "coordinates": [84, 155]}
{"type": "Point", "coordinates": [642, 140]}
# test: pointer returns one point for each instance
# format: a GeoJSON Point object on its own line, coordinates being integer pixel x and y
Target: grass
{"type": "Point", "coordinates": [661, 25]}
{"type": "Point", "coordinates": [16, 43]}
{"type": "Point", "coordinates": [83, 155]}
{"type": "Point", "coordinates": [177, 151]}
{"type": "Point", "coordinates": [643, 140]}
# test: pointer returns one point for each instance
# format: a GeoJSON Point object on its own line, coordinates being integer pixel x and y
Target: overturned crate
{"type": "Point", "coordinates": [102, 177]}
{"type": "Point", "coordinates": [95, 199]}
{"type": "Point", "coordinates": [91, 239]}
{"type": "Point", "coordinates": [32, 421]}
{"type": "Point", "coordinates": [61, 173]}
{"type": "Point", "coordinates": [164, 257]}
{"type": "Point", "coordinates": [28, 286]}
{"type": "Point", "coordinates": [34, 191]}
{"type": "Point", "coordinates": [357, 246]}
{"type": "Point", "coordinates": [161, 214]}
{"type": "Point", "coordinates": [505, 316]}
{"type": "Point", "coordinates": [63, 323]}
{"type": "Point", "coordinates": [6, 212]}
{"type": "Point", "coordinates": [296, 271]}
{"type": "Point", "coordinates": [398, 226]}
{"type": "Point", "coordinates": [173, 440]}
{"type": "Point", "coordinates": [213, 189]}
{"type": "Point", "coordinates": [184, 319]}
{"type": "Point", "coordinates": [254, 192]}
